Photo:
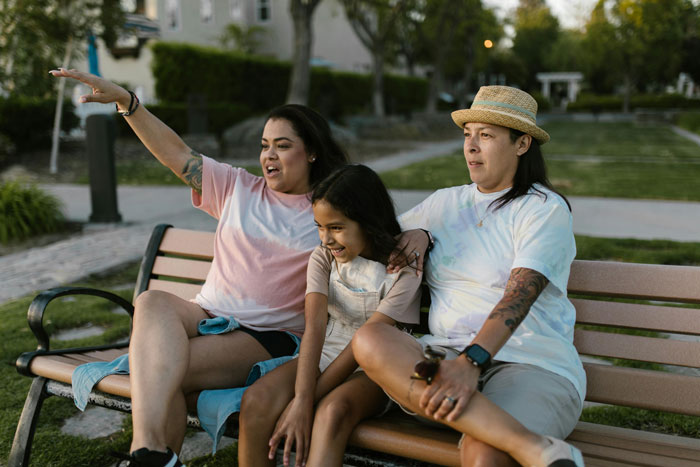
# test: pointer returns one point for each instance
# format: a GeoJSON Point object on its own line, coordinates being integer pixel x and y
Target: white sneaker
{"type": "Point", "coordinates": [561, 454]}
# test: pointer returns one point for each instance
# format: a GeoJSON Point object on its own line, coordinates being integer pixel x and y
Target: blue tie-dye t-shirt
{"type": "Point", "coordinates": [476, 248]}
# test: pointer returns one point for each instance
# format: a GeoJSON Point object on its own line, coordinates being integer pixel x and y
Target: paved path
{"type": "Point", "coordinates": [102, 247]}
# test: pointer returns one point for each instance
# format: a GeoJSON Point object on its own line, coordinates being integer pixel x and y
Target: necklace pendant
{"type": "Point", "coordinates": [480, 224]}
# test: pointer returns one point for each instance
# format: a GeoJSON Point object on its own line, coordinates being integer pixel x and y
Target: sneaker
{"type": "Point", "coordinates": [561, 454]}
{"type": "Point", "coordinates": [144, 457]}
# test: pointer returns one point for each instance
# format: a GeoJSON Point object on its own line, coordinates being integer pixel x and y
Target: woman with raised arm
{"type": "Point", "coordinates": [511, 381]}
{"type": "Point", "coordinates": [263, 241]}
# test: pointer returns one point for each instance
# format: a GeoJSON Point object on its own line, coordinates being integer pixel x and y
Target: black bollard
{"type": "Point", "coordinates": [101, 133]}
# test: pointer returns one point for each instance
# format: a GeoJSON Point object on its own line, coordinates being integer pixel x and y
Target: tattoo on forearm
{"type": "Point", "coordinates": [192, 172]}
{"type": "Point", "coordinates": [523, 288]}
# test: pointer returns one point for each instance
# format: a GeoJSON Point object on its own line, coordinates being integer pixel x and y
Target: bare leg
{"type": "Point", "coordinates": [337, 415]}
{"type": "Point", "coordinates": [262, 405]}
{"type": "Point", "coordinates": [388, 356]}
{"type": "Point", "coordinates": [474, 453]}
{"type": "Point", "coordinates": [167, 360]}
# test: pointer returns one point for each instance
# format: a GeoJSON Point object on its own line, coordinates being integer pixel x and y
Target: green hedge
{"type": "Point", "coordinates": [26, 211]}
{"type": "Point", "coordinates": [174, 114]}
{"type": "Point", "coordinates": [594, 103]}
{"type": "Point", "coordinates": [260, 84]}
{"type": "Point", "coordinates": [28, 121]}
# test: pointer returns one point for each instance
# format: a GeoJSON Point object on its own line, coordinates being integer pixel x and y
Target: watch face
{"type": "Point", "coordinates": [478, 354]}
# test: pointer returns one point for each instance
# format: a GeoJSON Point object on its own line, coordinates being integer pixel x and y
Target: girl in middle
{"type": "Point", "coordinates": [347, 286]}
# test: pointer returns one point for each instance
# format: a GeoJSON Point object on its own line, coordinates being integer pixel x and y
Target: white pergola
{"type": "Point", "coordinates": [572, 78]}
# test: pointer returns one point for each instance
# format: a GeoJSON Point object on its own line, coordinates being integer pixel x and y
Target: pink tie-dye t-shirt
{"type": "Point", "coordinates": [261, 249]}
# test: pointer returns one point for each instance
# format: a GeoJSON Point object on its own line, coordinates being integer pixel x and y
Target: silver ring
{"type": "Point", "coordinates": [450, 400]}
{"type": "Point", "coordinates": [416, 253]}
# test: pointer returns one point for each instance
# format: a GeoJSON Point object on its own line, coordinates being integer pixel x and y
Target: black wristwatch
{"type": "Point", "coordinates": [478, 356]}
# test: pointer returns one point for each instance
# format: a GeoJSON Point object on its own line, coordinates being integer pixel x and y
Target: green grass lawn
{"type": "Point", "coordinates": [656, 163]}
{"type": "Point", "coordinates": [52, 448]}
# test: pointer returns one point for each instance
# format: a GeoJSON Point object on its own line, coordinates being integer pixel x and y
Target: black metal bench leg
{"type": "Point", "coordinates": [22, 444]}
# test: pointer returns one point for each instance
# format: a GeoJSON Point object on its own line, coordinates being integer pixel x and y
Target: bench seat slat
{"type": "Point", "coordinates": [181, 289]}
{"type": "Point", "coordinates": [643, 281]}
{"type": "Point", "coordinates": [645, 349]}
{"type": "Point", "coordinates": [401, 436]}
{"type": "Point", "coordinates": [638, 441]}
{"type": "Point", "coordinates": [634, 315]}
{"type": "Point", "coordinates": [657, 390]}
{"type": "Point", "coordinates": [190, 243]}
{"type": "Point", "coordinates": [182, 268]}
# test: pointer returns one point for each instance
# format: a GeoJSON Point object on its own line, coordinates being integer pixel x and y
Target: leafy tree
{"type": "Point", "coordinates": [536, 31]}
{"type": "Point", "coordinates": [691, 42]}
{"type": "Point", "coordinates": [302, 13]}
{"type": "Point", "coordinates": [38, 35]}
{"type": "Point", "coordinates": [374, 22]}
{"type": "Point", "coordinates": [601, 52]}
{"type": "Point", "coordinates": [241, 38]}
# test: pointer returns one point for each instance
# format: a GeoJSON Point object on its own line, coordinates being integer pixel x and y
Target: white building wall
{"type": "Point", "coordinates": [334, 40]}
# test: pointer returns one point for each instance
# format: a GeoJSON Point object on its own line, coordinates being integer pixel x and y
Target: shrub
{"type": "Point", "coordinates": [260, 84]}
{"type": "Point", "coordinates": [28, 121]}
{"type": "Point", "coordinates": [26, 211]}
{"type": "Point", "coordinates": [594, 103]}
{"type": "Point", "coordinates": [220, 115]}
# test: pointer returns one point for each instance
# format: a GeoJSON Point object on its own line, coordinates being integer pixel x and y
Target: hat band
{"type": "Point", "coordinates": [527, 121]}
{"type": "Point", "coordinates": [504, 105]}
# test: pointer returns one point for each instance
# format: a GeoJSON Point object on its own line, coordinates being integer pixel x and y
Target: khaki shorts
{"type": "Point", "coordinates": [544, 402]}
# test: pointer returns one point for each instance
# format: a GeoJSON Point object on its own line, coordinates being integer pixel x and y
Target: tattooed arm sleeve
{"type": "Point", "coordinates": [192, 172]}
{"type": "Point", "coordinates": [523, 288]}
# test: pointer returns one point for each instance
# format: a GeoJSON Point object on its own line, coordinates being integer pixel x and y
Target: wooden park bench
{"type": "Point", "coordinates": [647, 297]}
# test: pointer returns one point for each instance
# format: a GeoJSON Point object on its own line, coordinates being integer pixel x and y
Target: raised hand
{"type": "Point", "coordinates": [103, 91]}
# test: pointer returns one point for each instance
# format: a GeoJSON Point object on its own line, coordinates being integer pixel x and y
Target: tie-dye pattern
{"type": "Point", "coordinates": [469, 267]}
{"type": "Point", "coordinates": [262, 246]}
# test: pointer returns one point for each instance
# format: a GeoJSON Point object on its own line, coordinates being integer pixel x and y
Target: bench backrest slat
{"type": "Point", "coordinates": [181, 268]}
{"type": "Point", "coordinates": [643, 281]}
{"type": "Point", "coordinates": [183, 290]}
{"type": "Point", "coordinates": [639, 316]}
{"type": "Point", "coordinates": [190, 243]}
{"type": "Point", "coordinates": [646, 389]}
{"type": "Point", "coordinates": [645, 349]}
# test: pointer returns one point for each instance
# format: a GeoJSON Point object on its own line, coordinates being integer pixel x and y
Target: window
{"type": "Point", "coordinates": [206, 11]}
{"type": "Point", "coordinates": [263, 10]}
{"type": "Point", "coordinates": [173, 15]}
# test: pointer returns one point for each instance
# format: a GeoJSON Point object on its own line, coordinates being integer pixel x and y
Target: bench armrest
{"type": "Point", "coordinates": [35, 315]}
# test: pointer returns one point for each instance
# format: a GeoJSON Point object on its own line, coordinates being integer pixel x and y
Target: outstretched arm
{"type": "Point", "coordinates": [457, 379]}
{"type": "Point", "coordinates": [163, 142]}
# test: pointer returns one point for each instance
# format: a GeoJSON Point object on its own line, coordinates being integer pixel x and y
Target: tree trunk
{"type": "Point", "coordinates": [302, 13]}
{"type": "Point", "coordinates": [378, 88]}
{"type": "Point", "coordinates": [443, 39]}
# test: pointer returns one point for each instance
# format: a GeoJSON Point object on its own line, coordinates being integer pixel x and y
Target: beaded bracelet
{"type": "Point", "coordinates": [132, 107]}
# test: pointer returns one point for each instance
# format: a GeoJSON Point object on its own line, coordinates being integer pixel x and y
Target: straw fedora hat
{"type": "Point", "coordinates": [503, 106]}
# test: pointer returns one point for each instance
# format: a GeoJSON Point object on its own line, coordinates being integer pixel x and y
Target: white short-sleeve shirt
{"type": "Point", "coordinates": [469, 267]}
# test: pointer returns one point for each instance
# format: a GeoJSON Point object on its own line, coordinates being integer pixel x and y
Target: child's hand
{"type": "Point", "coordinates": [410, 249]}
{"type": "Point", "coordinates": [294, 425]}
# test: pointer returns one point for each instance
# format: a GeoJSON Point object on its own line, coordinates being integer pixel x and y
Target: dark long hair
{"type": "Point", "coordinates": [531, 169]}
{"type": "Point", "coordinates": [316, 134]}
{"type": "Point", "coordinates": [358, 192]}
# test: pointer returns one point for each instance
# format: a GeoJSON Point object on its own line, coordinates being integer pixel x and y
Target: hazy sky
{"type": "Point", "coordinates": [571, 13]}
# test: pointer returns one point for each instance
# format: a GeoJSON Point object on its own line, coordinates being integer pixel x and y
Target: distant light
{"type": "Point", "coordinates": [488, 44]}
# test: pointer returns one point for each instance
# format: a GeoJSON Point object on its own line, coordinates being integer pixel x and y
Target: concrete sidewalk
{"type": "Point", "coordinates": [101, 247]}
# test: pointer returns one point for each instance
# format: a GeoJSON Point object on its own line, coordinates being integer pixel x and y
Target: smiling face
{"type": "Point", "coordinates": [491, 155]}
{"type": "Point", "coordinates": [342, 236]}
{"type": "Point", "coordinates": [284, 160]}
